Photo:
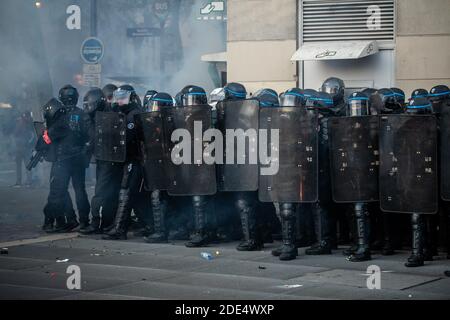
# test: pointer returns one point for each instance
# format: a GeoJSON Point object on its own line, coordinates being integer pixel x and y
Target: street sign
{"type": "Point", "coordinates": [92, 68]}
{"type": "Point", "coordinates": [92, 50]}
{"type": "Point", "coordinates": [143, 32]}
{"type": "Point", "coordinates": [92, 80]}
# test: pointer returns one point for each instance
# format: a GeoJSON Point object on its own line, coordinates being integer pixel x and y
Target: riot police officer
{"type": "Point", "coordinates": [291, 229]}
{"type": "Point", "coordinates": [358, 105]}
{"type": "Point", "coordinates": [95, 100]}
{"type": "Point", "coordinates": [418, 106]}
{"type": "Point", "coordinates": [127, 103]}
{"type": "Point", "coordinates": [321, 211]}
{"type": "Point", "coordinates": [155, 104]}
{"type": "Point", "coordinates": [69, 137]}
{"type": "Point", "coordinates": [439, 97]}
{"type": "Point", "coordinates": [201, 236]}
{"type": "Point", "coordinates": [335, 87]}
{"type": "Point", "coordinates": [52, 110]}
{"type": "Point", "coordinates": [246, 202]}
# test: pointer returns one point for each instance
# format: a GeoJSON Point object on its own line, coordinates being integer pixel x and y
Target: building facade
{"type": "Point", "coordinates": [378, 43]}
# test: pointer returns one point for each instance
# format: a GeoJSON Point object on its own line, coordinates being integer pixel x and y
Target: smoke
{"type": "Point", "coordinates": [40, 54]}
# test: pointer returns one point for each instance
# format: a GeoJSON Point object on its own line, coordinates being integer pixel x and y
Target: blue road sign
{"type": "Point", "coordinates": [92, 50]}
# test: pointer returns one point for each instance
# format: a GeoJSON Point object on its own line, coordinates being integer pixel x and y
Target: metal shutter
{"type": "Point", "coordinates": [334, 20]}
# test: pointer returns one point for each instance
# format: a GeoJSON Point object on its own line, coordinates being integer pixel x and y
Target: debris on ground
{"type": "Point", "coordinates": [290, 286]}
{"type": "Point", "coordinates": [262, 268]}
{"type": "Point", "coordinates": [206, 256]}
{"type": "Point", "coordinates": [62, 260]}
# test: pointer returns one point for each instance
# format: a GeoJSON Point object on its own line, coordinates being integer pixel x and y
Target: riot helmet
{"type": "Point", "coordinates": [68, 95]}
{"type": "Point", "coordinates": [389, 102]}
{"type": "Point", "coordinates": [125, 95]}
{"type": "Point", "coordinates": [52, 109]}
{"type": "Point", "coordinates": [158, 101]}
{"type": "Point", "coordinates": [336, 88]}
{"type": "Point", "coordinates": [419, 93]}
{"type": "Point", "coordinates": [358, 104]}
{"type": "Point", "coordinates": [419, 106]}
{"type": "Point", "coordinates": [216, 96]}
{"type": "Point", "coordinates": [320, 100]}
{"type": "Point", "coordinates": [235, 91]}
{"type": "Point", "coordinates": [148, 96]}
{"type": "Point", "coordinates": [194, 96]}
{"type": "Point", "coordinates": [399, 96]}
{"type": "Point", "coordinates": [267, 98]}
{"type": "Point", "coordinates": [439, 93]}
{"type": "Point", "coordinates": [292, 98]}
{"type": "Point", "coordinates": [94, 101]}
{"type": "Point", "coordinates": [439, 97]}
{"type": "Point", "coordinates": [108, 91]}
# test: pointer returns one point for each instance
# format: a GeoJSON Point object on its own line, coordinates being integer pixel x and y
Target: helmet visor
{"type": "Point", "coordinates": [121, 97]}
{"type": "Point", "coordinates": [358, 107]}
{"type": "Point", "coordinates": [290, 100]}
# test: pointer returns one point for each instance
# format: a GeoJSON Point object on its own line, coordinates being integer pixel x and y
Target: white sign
{"type": "Point", "coordinates": [92, 79]}
{"type": "Point", "coordinates": [92, 68]}
{"type": "Point", "coordinates": [73, 22]}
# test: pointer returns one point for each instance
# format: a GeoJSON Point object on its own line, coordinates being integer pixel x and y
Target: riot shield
{"type": "Point", "coordinates": [110, 137]}
{"type": "Point", "coordinates": [444, 147]}
{"type": "Point", "coordinates": [193, 176]}
{"type": "Point", "coordinates": [297, 177]}
{"type": "Point", "coordinates": [39, 128]}
{"type": "Point", "coordinates": [408, 164]}
{"type": "Point", "coordinates": [151, 132]}
{"type": "Point", "coordinates": [237, 172]}
{"type": "Point", "coordinates": [354, 158]}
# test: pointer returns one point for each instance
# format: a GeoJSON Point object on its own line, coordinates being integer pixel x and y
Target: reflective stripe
{"type": "Point", "coordinates": [419, 107]}
{"type": "Point", "coordinates": [294, 94]}
{"type": "Point", "coordinates": [439, 94]}
{"type": "Point", "coordinates": [238, 94]}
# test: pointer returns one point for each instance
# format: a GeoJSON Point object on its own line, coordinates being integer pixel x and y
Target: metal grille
{"type": "Point", "coordinates": [333, 20]}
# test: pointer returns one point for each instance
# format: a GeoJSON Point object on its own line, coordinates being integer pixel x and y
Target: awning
{"type": "Point", "coordinates": [335, 50]}
{"type": "Point", "coordinates": [215, 57]}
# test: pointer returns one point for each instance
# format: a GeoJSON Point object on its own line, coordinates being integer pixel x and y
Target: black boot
{"type": "Point", "coordinates": [249, 227]}
{"type": "Point", "coordinates": [351, 250]}
{"type": "Point", "coordinates": [61, 225]}
{"type": "Point", "coordinates": [48, 224]}
{"type": "Point", "coordinates": [288, 250]}
{"type": "Point", "coordinates": [362, 220]}
{"type": "Point", "coordinates": [119, 231]}
{"type": "Point", "coordinates": [200, 237]}
{"type": "Point", "coordinates": [416, 259]}
{"type": "Point", "coordinates": [430, 235]}
{"type": "Point", "coordinates": [71, 220]}
{"type": "Point", "coordinates": [93, 228]}
{"type": "Point", "coordinates": [321, 227]}
{"type": "Point", "coordinates": [159, 224]}
{"type": "Point", "coordinates": [388, 249]}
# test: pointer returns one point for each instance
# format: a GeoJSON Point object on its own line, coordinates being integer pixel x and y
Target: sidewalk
{"type": "Point", "coordinates": [136, 270]}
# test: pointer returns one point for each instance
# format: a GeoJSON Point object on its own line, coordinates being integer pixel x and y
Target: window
{"type": "Point", "coordinates": [335, 20]}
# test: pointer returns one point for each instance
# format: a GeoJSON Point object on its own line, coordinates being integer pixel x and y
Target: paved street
{"type": "Point", "coordinates": [135, 270]}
